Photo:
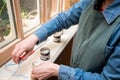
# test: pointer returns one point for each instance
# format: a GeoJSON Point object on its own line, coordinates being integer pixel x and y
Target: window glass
{"type": "Point", "coordinates": [7, 27]}
{"type": "Point", "coordinates": [54, 7]}
{"type": "Point", "coordinates": [29, 14]}
{"type": "Point", "coordinates": [69, 3]}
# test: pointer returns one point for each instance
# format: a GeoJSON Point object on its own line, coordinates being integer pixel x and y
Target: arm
{"type": "Point", "coordinates": [63, 21]}
{"type": "Point", "coordinates": [111, 70]}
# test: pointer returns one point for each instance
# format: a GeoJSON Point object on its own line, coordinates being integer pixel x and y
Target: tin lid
{"type": "Point", "coordinates": [44, 51]}
{"type": "Point", "coordinates": [57, 36]}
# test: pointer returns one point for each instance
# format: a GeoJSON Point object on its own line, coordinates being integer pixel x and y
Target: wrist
{"type": "Point", "coordinates": [56, 69]}
{"type": "Point", "coordinates": [33, 38]}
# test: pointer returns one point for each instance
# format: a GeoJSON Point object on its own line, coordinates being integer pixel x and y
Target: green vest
{"type": "Point", "coordinates": [88, 51]}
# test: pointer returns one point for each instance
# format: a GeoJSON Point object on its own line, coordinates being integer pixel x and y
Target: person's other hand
{"type": "Point", "coordinates": [24, 47]}
{"type": "Point", "coordinates": [45, 70]}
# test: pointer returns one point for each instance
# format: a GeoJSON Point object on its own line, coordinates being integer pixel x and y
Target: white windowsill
{"type": "Point", "coordinates": [24, 71]}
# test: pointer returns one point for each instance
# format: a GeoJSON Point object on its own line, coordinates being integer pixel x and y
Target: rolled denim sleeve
{"type": "Point", "coordinates": [111, 70]}
{"type": "Point", "coordinates": [62, 21]}
{"type": "Point", "coordinates": [68, 73]}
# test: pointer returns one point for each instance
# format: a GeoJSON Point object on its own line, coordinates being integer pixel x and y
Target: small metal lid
{"type": "Point", "coordinates": [45, 51]}
{"type": "Point", "coordinates": [57, 36]}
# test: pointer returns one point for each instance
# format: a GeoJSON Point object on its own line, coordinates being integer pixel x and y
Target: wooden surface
{"type": "Point", "coordinates": [59, 54]}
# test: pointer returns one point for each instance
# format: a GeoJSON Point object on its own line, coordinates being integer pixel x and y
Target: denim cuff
{"type": "Point", "coordinates": [66, 73]}
{"type": "Point", "coordinates": [41, 33]}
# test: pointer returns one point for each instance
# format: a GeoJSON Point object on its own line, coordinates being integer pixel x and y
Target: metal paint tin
{"type": "Point", "coordinates": [44, 53]}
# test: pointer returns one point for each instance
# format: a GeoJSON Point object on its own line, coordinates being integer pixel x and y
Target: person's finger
{"type": "Point", "coordinates": [36, 71]}
{"type": "Point", "coordinates": [44, 77]}
{"type": "Point", "coordinates": [37, 75]}
{"type": "Point", "coordinates": [25, 56]}
{"type": "Point", "coordinates": [17, 56]}
{"type": "Point", "coordinates": [14, 53]}
{"type": "Point", "coordinates": [41, 78]}
{"type": "Point", "coordinates": [41, 74]}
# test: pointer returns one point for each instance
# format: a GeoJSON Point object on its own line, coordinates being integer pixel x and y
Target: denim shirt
{"type": "Point", "coordinates": [111, 70]}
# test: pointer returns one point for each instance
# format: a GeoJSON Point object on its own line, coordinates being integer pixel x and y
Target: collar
{"type": "Point", "coordinates": [112, 12]}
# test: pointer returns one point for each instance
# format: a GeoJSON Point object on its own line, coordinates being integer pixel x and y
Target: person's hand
{"type": "Point", "coordinates": [24, 47]}
{"type": "Point", "coordinates": [45, 70]}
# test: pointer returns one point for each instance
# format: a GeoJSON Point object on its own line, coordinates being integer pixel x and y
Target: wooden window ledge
{"type": "Point", "coordinates": [24, 71]}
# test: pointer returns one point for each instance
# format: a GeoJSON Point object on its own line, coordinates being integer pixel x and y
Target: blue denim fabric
{"type": "Point", "coordinates": [111, 70]}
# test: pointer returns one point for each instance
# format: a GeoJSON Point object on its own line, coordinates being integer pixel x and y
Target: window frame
{"type": "Point", "coordinates": [12, 25]}
{"type": "Point", "coordinates": [5, 52]}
